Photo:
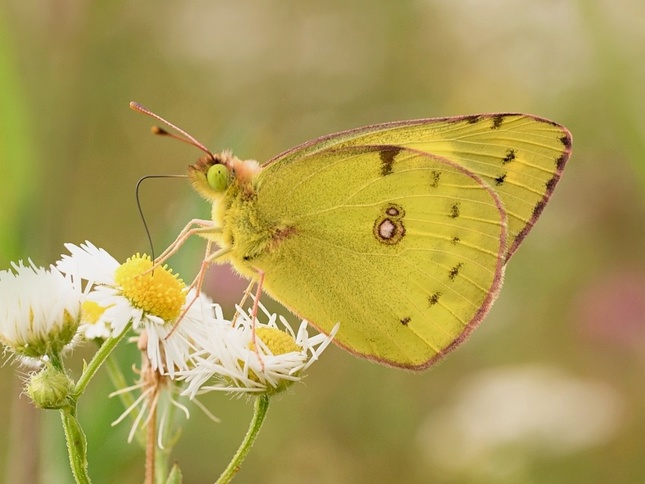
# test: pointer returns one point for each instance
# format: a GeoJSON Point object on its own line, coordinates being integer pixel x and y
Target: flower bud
{"type": "Point", "coordinates": [49, 388]}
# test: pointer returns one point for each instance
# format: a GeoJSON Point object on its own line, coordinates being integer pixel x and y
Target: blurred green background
{"type": "Point", "coordinates": [548, 390]}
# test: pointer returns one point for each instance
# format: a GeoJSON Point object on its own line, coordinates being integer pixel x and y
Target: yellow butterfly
{"type": "Point", "coordinates": [399, 231]}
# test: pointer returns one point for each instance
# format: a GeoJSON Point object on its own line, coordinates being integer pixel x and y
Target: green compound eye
{"type": "Point", "coordinates": [218, 177]}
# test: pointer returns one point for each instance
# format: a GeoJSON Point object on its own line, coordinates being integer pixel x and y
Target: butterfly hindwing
{"type": "Point", "coordinates": [405, 248]}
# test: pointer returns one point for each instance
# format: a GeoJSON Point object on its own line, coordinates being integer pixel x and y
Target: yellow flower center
{"type": "Point", "coordinates": [277, 341]}
{"type": "Point", "coordinates": [158, 292]}
{"type": "Point", "coordinates": [91, 312]}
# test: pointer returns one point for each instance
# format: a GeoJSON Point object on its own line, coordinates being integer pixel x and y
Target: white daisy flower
{"type": "Point", "coordinates": [169, 345]}
{"type": "Point", "coordinates": [227, 358]}
{"type": "Point", "coordinates": [39, 310]}
{"type": "Point", "coordinates": [129, 292]}
{"type": "Point", "coordinates": [89, 262]}
{"type": "Point", "coordinates": [93, 326]}
{"type": "Point", "coordinates": [155, 301]}
{"type": "Point", "coordinates": [96, 266]}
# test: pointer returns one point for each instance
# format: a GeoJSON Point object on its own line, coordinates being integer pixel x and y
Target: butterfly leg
{"type": "Point", "coordinates": [194, 227]}
{"type": "Point", "coordinates": [247, 293]}
{"type": "Point", "coordinates": [203, 227]}
{"type": "Point", "coordinates": [199, 279]}
{"type": "Point", "coordinates": [256, 299]}
{"type": "Point", "coordinates": [254, 310]}
{"type": "Point", "coordinates": [210, 258]}
{"type": "Point", "coordinates": [197, 283]}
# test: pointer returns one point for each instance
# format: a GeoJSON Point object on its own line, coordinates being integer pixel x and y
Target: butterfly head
{"type": "Point", "coordinates": [213, 174]}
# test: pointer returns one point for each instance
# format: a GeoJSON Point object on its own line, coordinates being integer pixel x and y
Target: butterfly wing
{"type": "Point", "coordinates": [405, 249]}
{"type": "Point", "coordinates": [520, 156]}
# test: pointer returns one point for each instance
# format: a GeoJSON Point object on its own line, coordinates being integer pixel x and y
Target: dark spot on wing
{"type": "Point", "coordinates": [550, 185]}
{"type": "Point", "coordinates": [510, 156]}
{"type": "Point", "coordinates": [566, 141]}
{"type": "Point", "coordinates": [434, 298]}
{"type": "Point", "coordinates": [560, 162]}
{"type": "Point", "coordinates": [500, 179]}
{"type": "Point", "coordinates": [388, 226]}
{"type": "Point", "coordinates": [454, 272]}
{"type": "Point", "coordinates": [498, 119]}
{"type": "Point", "coordinates": [389, 232]}
{"type": "Point", "coordinates": [436, 175]}
{"type": "Point", "coordinates": [454, 210]}
{"type": "Point", "coordinates": [537, 210]}
{"type": "Point", "coordinates": [392, 210]}
{"type": "Point", "coordinates": [454, 240]}
{"type": "Point", "coordinates": [473, 118]}
{"type": "Point", "coordinates": [387, 155]}
{"type": "Point", "coordinates": [522, 233]}
{"type": "Point", "coordinates": [406, 320]}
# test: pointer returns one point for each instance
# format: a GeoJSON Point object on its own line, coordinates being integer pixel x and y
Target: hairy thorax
{"type": "Point", "coordinates": [249, 235]}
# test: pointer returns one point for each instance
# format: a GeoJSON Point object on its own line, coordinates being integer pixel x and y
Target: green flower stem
{"type": "Point", "coordinates": [259, 413]}
{"type": "Point", "coordinates": [74, 435]}
{"type": "Point", "coordinates": [95, 363]}
{"type": "Point", "coordinates": [76, 443]}
{"type": "Point", "coordinates": [56, 362]}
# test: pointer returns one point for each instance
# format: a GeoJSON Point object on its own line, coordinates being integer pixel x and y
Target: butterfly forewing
{"type": "Point", "coordinates": [520, 156]}
{"type": "Point", "coordinates": [404, 248]}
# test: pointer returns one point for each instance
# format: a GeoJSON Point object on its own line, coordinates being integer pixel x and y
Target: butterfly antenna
{"type": "Point", "coordinates": [185, 137]}
{"type": "Point", "coordinates": [141, 214]}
